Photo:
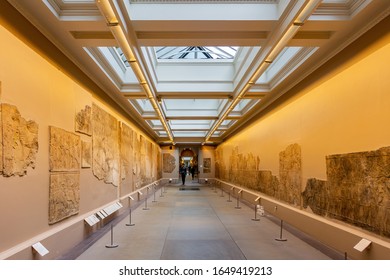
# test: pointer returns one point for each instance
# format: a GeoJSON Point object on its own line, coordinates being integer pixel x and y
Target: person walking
{"type": "Point", "coordinates": [183, 173]}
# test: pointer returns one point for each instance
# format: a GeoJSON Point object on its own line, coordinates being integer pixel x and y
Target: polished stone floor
{"type": "Point", "coordinates": [200, 224]}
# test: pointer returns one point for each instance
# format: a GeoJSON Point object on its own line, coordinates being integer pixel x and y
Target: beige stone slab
{"type": "Point", "coordinates": [105, 146]}
{"type": "Point", "coordinates": [19, 141]}
{"type": "Point", "coordinates": [64, 196]}
{"type": "Point", "coordinates": [65, 150]}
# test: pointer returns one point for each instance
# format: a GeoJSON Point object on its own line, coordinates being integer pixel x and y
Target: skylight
{"type": "Point", "coordinates": [196, 52]}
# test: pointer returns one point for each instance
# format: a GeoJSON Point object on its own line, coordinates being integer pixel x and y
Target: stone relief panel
{"type": "Point", "coordinates": [86, 154]}
{"type": "Point", "coordinates": [143, 167]}
{"type": "Point", "coordinates": [1, 140]}
{"type": "Point", "coordinates": [126, 150]}
{"type": "Point", "coordinates": [137, 160]}
{"type": "Point", "coordinates": [207, 165]}
{"type": "Point", "coordinates": [64, 196]}
{"type": "Point", "coordinates": [19, 142]}
{"type": "Point", "coordinates": [169, 163]}
{"type": "Point", "coordinates": [221, 170]}
{"type": "Point", "coordinates": [290, 170]}
{"type": "Point", "coordinates": [244, 170]}
{"type": "Point", "coordinates": [357, 190]}
{"type": "Point", "coordinates": [105, 146]}
{"type": "Point", "coordinates": [159, 163]}
{"type": "Point", "coordinates": [83, 122]}
{"type": "Point", "coordinates": [65, 150]}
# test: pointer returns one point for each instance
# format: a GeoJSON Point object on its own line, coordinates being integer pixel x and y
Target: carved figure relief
{"type": "Point", "coordinates": [207, 165]}
{"type": "Point", "coordinates": [169, 163]}
{"type": "Point", "coordinates": [126, 150]}
{"type": "Point", "coordinates": [83, 121]}
{"type": "Point", "coordinates": [19, 142]}
{"type": "Point", "coordinates": [159, 163]}
{"type": "Point", "coordinates": [290, 171]}
{"type": "Point", "coordinates": [1, 141]}
{"type": "Point", "coordinates": [64, 196]}
{"type": "Point", "coordinates": [357, 190]}
{"type": "Point", "coordinates": [105, 146]}
{"type": "Point", "coordinates": [65, 150]}
{"type": "Point", "coordinates": [244, 170]}
{"type": "Point", "coordinates": [64, 164]}
{"type": "Point", "coordinates": [86, 154]}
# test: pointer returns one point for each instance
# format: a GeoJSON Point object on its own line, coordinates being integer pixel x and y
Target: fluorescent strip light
{"type": "Point", "coordinates": [109, 14]}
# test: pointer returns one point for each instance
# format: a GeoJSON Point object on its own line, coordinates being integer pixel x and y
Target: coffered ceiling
{"type": "Point", "coordinates": [196, 71]}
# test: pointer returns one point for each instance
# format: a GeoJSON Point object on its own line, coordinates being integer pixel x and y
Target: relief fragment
{"type": "Point", "coordinates": [126, 150]}
{"type": "Point", "coordinates": [20, 142]}
{"type": "Point", "coordinates": [65, 150]}
{"type": "Point", "coordinates": [207, 165]}
{"type": "Point", "coordinates": [83, 122]}
{"type": "Point", "coordinates": [169, 163]}
{"type": "Point", "coordinates": [86, 154]}
{"type": "Point", "coordinates": [64, 196]}
{"type": "Point", "coordinates": [105, 146]}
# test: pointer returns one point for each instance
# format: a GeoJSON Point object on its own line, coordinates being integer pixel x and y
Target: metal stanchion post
{"type": "Point", "coordinates": [112, 245]}
{"type": "Point", "coordinates": [238, 200]}
{"type": "Point", "coordinates": [222, 192]}
{"type": "Point", "coordinates": [146, 200]}
{"type": "Point", "coordinates": [130, 223]}
{"type": "Point", "coordinates": [154, 194]}
{"type": "Point", "coordinates": [255, 218]}
{"type": "Point", "coordinates": [281, 233]}
{"type": "Point", "coordinates": [161, 192]}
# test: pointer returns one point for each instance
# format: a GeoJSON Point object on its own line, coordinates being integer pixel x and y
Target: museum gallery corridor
{"type": "Point", "coordinates": [197, 223]}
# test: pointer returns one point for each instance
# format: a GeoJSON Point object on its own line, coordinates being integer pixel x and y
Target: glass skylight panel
{"type": "Point", "coordinates": [189, 133]}
{"type": "Point", "coordinates": [196, 52]}
{"type": "Point", "coordinates": [122, 56]}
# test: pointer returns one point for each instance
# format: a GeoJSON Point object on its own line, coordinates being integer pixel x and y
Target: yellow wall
{"type": "Point", "coordinates": [46, 95]}
{"type": "Point", "coordinates": [346, 110]}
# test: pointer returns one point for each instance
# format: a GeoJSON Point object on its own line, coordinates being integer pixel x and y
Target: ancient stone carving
{"type": "Point", "coordinates": [267, 183]}
{"type": "Point", "coordinates": [244, 170]}
{"type": "Point", "coordinates": [126, 150]}
{"type": "Point", "coordinates": [207, 165]}
{"type": "Point", "coordinates": [83, 121]}
{"type": "Point", "coordinates": [169, 163]}
{"type": "Point", "coordinates": [159, 163]}
{"type": "Point", "coordinates": [357, 190]}
{"type": "Point", "coordinates": [86, 154]}
{"type": "Point", "coordinates": [19, 142]}
{"type": "Point", "coordinates": [64, 196]}
{"type": "Point", "coordinates": [1, 141]}
{"type": "Point", "coordinates": [290, 174]}
{"type": "Point", "coordinates": [105, 146]}
{"type": "Point", "coordinates": [65, 150]}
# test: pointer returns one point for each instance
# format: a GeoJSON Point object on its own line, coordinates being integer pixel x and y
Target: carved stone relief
{"type": "Point", "coordinates": [86, 154]}
{"type": "Point", "coordinates": [207, 165]}
{"type": "Point", "coordinates": [105, 146]}
{"type": "Point", "coordinates": [169, 163]}
{"type": "Point", "coordinates": [19, 142]}
{"type": "Point", "coordinates": [65, 150]}
{"type": "Point", "coordinates": [290, 171]}
{"type": "Point", "coordinates": [64, 196]}
{"type": "Point", "coordinates": [357, 190]}
{"type": "Point", "coordinates": [244, 170]}
{"type": "Point", "coordinates": [143, 159]}
{"type": "Point", "coordinates": [159, 163]}
{"type": "Point", "coordinates": [83, 121]}
{"type": "Point", "coordinates": [1, 141]}
{"type": "Point", "coordinates": [126, 150]}
{"type": "Point", "coordinates": [137, 160]}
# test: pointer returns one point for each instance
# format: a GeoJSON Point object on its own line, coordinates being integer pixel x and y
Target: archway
{"type": "Point", "coordinates": [189, 158]}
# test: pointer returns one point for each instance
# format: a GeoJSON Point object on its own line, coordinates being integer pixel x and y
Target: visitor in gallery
{"type": "Point", "coordinates": [183, 173]}
{"type": "Point", "coordinates": [192, 171]}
